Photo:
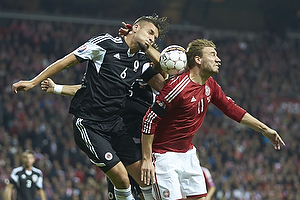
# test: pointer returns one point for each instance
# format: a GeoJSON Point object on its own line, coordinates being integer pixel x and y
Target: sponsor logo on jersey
{"type": "Point", "coordinates": [207, 90]}
{"type": "Point", "coordinates": [161, 104]}
{"type": "Point", "coordinates": [34, 178]}
{"type": "Point", "coordinates": [193, 99]}
{"type": "Point", "coordinates": [82, 48]}
{"type": "Point", "coordinates": [110, 195]}
{"type": "Point", "coordinates": [108, 156]}
{"type": "Point", "coordinates": [117, 56]}
{"type": "Point", "coordinates": [136, 65]}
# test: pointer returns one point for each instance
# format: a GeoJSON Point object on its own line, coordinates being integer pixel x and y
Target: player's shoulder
{"type": "Point", "coordinates": [36, 170]}
{"type": "Point", "coordinates": [179, 79]}
{"type": "Point", "coordinates": [212, 83]}
{"type": "Point", "coordinates": [176, 87]}
{"type": "Point", "coordinates": [17, 169]}
{"type": "Point", "coordinates": [106, 38]}
{"type": "Point", "coordinates": [211, 80]}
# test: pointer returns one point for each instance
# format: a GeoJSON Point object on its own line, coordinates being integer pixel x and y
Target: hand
{"type": "Point", "coordinates": [274, 137]}
{"type": "Point", "coordinates": [47, 85]}
{"type": "Point", "coordinates": [22, 86]}
{"type": "Point", "coordinates": [147, 172]}
{"type": "Point", "coordinates": [124, 31]}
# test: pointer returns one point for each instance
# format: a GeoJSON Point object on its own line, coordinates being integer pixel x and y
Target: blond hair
{"type": "Point", "coordinates": [195, 49]}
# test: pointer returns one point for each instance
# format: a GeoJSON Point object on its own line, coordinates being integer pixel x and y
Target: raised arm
{"type": "Point", "coordinates": [49, 86]}
{"type": "Point", "coordinates": [59, 65]}
{"type": "Point", "coordinates": [269, 133]}
{"type": "Point", "coordinates": [154, 56]}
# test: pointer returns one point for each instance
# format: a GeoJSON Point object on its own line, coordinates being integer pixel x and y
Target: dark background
{"type": "Point", "coordinates": [244, 15]}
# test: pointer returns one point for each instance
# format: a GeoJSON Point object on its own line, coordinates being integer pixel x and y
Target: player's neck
{"type": "Point", "coordinates": [131, 44]}
{"type": "Point", "coordinates": [197, 77]}
{"type": "Point", "coordinates": [28, 168]}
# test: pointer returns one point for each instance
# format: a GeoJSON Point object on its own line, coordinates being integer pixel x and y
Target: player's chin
{"type": "Point", "coordinates": [213, 72]}
{"type": "Point", "coordinates": [216, 70]}
{"type": "Point", "coordinates": [143, 47]}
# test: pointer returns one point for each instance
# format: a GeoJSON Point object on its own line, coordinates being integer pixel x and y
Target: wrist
{"type": "Point", "coordinates": [57, 89]}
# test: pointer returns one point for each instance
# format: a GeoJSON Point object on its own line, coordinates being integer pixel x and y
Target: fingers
{"type": "Point", "coordinates": [16, 87]}
{"type": "Point", "coordinates": [281, 141]}
{"type": "Point", "coordinates": [153, 177]}
{"type": "Point", "coordinates": [45, 85]}
{"type": "Point", "coordinates": [127, 26]}
{"type": "Point", "coordinates": [147, 175]}
{"type": "Point", "coordinates": [277, 142]}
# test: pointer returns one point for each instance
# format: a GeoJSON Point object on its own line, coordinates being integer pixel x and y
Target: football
{"type": "Point", "coordinates": [173, 60]}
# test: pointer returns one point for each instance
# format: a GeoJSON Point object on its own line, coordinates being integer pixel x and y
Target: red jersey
{"type": "Point", "coordinates": [185, 104]}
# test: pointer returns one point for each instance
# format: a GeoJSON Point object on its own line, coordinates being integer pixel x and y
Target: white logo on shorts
{"type": "Point", "coordinates": [108, 156]}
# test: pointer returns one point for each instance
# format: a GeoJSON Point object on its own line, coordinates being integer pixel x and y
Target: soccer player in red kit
{"type": "Point", "coordinates": [170, 124]}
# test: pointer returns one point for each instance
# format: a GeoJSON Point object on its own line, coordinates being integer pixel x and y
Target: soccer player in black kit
{"type": "Point", "coordinates": [141, 97]}
{"type": "Point", "coordinates": [27, 180]}
{"type": "Point", "coordinates": [113, 65]}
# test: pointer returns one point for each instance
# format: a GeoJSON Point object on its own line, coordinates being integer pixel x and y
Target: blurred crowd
{"type": "Point", "coordinates": [259, 72]}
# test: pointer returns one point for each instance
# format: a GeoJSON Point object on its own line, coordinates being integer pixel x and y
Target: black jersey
{"type": "Point", "coordinates": [141, 97]}
{"type": "Point", "coordinates": [26, 182]}
{"type": "Point", "coordinates": [111, 70]}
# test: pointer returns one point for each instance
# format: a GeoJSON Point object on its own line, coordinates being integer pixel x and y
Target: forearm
{"type": "Point", "coordinates": [70, 90]}
{"type": "Point", "coordinates": [153, 55]}
{"type": "Point", "coordinates": [210, 192]}
{"type": "Point", "coordinates": [59, 65]}
{"type": "Point", "coordinates": [157, 82]}
{"type": "Point", "coordinates": [254, 123]}
{"type": "Point", "coordinates": [147, 141]}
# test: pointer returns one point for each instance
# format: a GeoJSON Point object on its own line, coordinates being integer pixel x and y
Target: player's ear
{"type": "Point", "coordinates": [135, 27]}
{"type": "Point", "coordinates": [197, 60]}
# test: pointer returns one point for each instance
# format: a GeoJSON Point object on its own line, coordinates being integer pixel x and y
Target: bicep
{"type": "Point", "coordinates": [70, 60]}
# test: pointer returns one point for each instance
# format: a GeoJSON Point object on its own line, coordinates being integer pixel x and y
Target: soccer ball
{"type": "Point", "coordinates": [173, 60]}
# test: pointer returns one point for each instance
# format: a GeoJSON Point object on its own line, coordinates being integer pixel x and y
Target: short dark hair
{"type": "Point", "coordinates": [161, 23]}
{"type": "Point", "coordinates": [28, 152]}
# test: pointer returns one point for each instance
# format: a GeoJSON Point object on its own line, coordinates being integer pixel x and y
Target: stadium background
{"type": "Point", "coordinates": [257, 40]}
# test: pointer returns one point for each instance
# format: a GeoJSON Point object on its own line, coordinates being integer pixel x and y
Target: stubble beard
{"type": "Point", "coordinates": [142, 47]}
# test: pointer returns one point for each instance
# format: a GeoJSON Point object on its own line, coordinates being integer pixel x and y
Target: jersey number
{"type": "Point", "coordinates": [123, 74]}
{"type": "Point", "coordinates": [200, 106]}
{"type": "Point", "coordinates": [28, 183]}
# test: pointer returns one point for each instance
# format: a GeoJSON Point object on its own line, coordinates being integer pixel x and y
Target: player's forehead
{"type": "Point", "coordinates": [209, 50]}
{"type": "Point", "coordinates": [28, 155]}
{"type": "Point", "coordinates": [150, 27]}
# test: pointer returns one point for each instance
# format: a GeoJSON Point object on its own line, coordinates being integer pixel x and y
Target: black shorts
{"type": "Point", "coordinates": [105, 143]}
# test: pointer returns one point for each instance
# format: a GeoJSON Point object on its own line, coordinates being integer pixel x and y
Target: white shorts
{"type": "Point", "coordinates": [178, 175]}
